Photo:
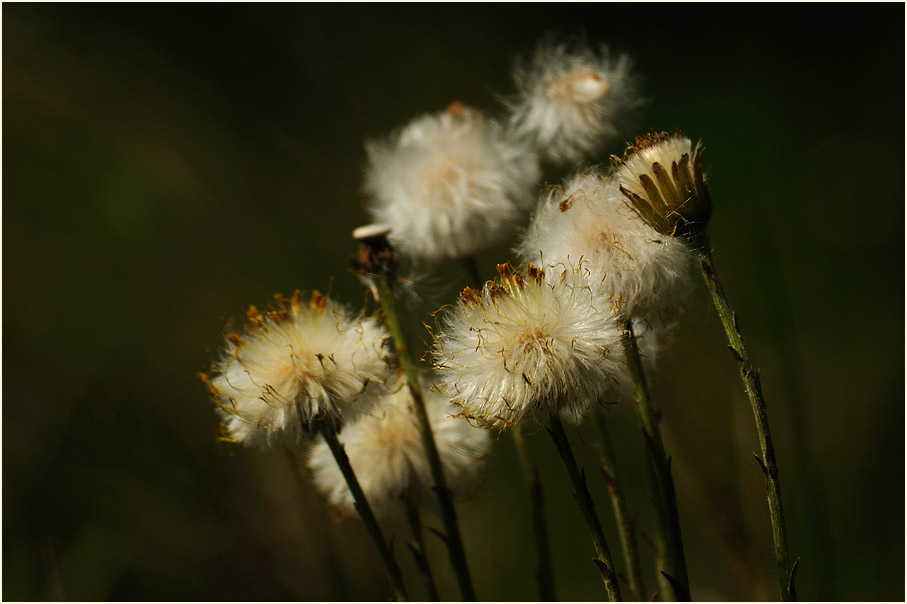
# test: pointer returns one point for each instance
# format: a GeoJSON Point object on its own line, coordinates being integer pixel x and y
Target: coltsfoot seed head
{"type": "Point", "coordinates": [589, 221]}
{"type": "Point", "coordinates": [661, 175]}
{"type": "Point", "coordinates": [386, 451]}
{"type": "Point", "coordinates": [296, 369]}
{"type": "Point", "coordinates": [449, 185]}
{"type": "Point", "coordinates": [571, 99]}
{"type": "Point", "coordinates": [524, 347]}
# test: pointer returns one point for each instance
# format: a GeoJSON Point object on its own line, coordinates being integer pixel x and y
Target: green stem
{"type": "Point", "coordinates": [672, 578]}
{"type": "Point", "coordinates": [365, 513]}
{"type": "Point", "coordinates": [445, 498]}
{"type": "Point", "coordinates": [586, 505]}
{"type": "Point", "coordinates": [753, 386]}
{"type": "Point", "coordinates": [544, 573]}
{"type": "Point", "coordinates": [417, 547]}
{"type": "Point", "coordinates": [627, 533]}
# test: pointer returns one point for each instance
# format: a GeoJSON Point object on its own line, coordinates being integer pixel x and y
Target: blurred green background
{"type": "Point", "coordinates": [165, 166]}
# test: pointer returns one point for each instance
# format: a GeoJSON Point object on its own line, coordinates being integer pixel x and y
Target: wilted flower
{"type": "Point", "coordinates": [449, 185]}
{"type": "Point", "coordinates": [571, 99]}
{"type": "Point", "coordinates": [661, 174]}
{"type": "Point", "coordinates": [386, 451]}
{"type": "Point", "coordinates": [588, 221]}
{"type": "Point", "coordinates": [523, 348]}
{"type": "Point", "coordinates": [297, 369]}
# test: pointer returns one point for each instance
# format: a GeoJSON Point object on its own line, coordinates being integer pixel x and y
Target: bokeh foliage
{"type": "Point", "coordinates": [165, 166]}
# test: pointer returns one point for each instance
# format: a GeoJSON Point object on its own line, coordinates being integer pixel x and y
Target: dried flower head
{"type": "Point", "coordinates": [296, 369]}
{"type": "Point", "coordinates": [588, 221]}
{"type": "Point", "coordinates": [571, 99]}
{"type": "Point", "coordinates": [661, 175]}
{"type": "Point", "coordinates": [386, 451]}
{"type": "Point", "coordinates": [449, 185]}
{"type": "Point", "coordinates": [525, 347]}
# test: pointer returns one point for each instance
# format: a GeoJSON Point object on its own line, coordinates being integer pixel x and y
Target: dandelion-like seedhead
{"type": "Point", "coordinates": [588, 221]}
{"type": "Point", "coordinates": [386, 451]}
{"type": "Point", "coordinates": [661, 175]}
{"type": "Point", "coordinates": [571, 99]}
{"type": "Point", "coordinates": [524, 347]}
{"type": "Point", "coordinates": [296, 369]}
{"type": "Point", "coordinates": [449, 185]}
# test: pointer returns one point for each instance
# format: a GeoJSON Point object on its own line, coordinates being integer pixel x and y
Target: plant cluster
{"type": "Point", "coordinates": [602, 265]}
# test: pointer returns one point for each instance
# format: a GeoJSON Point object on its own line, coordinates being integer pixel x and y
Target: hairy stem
{"type": "Point", "coordinates": [365, 513]}
{"type": "Point", "coordinates": [672, 577]}
{"type": "Point", "coordinates": [445, 498]}
{"type": "Point", "coordinates": [417, 547]}
{"type": "Point", "coordinates": [544, 573]}
{"type": "Point", "coordinates": [627, 532]}
{"type": "Point", "coordinates": [753, 387]}
{"type": "Point", "coordinates": [586, 505]}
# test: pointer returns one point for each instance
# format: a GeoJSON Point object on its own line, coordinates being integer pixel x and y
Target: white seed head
{"type": "Point", "coordinates": [589, 221]}
{"type": "Point", "coordinates": [524, 347]}
{"type": "Point", "coordinates": [296, 369]}
{"type": "Point", "coordinates": [386, 452]}
{"type": "Point", "coordinates": [449, 185]}
{"type": "Point", "coordinates": [571, 99]}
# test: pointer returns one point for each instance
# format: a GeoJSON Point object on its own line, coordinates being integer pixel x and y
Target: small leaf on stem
{"type": "Point", "coordinates": [792, 580]}
{"type": "Point", "coordinates": [761, 464]}
{"type": "Point", "coordinates": [683, 595]}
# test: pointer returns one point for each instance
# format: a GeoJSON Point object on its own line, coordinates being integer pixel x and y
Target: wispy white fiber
{"type": "Point", "coordinates": [295, 368]}
{"type": "Point", "coordinates": [571, 99]}
{"type": "Point", "coordinates": [588, 220]}
{"type": "Point", "coordinates": [449, 185]}
{"type": "Point", "coordinates": [525, 347]}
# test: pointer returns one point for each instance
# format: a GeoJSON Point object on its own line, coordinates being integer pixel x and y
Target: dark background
{"type": "Point", "coordinates": [165, 166]}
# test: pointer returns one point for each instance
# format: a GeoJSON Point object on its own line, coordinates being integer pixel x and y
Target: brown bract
{"type": "Point", "coordinates": [670, 192]}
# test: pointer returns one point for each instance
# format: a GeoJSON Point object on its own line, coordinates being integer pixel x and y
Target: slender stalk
{"type": "Point", "coordinates": [417, 547]}
{"type": "Point", "coordinates": [365, 513]}
{"type": "Point", "coordinates": [627, 533]}
{"type": "Point", "coordinates": [753, 386]}
{"type": "Point", "coordinates": [586, 506]}
{"type": "Point", "coordinates": [445, 498]}
{"type": "Point", "coordinates": [672, 576]}
{"type": "Point", "coordinates": [544, 573]}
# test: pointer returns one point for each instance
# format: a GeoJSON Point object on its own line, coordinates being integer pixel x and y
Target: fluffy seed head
{"type": "Point", "coordinates": [296, 369]}
{"type": "Point", "coordinates": [524, 347]}
{"type": "Point", "coordinates": [449, 185]}
{"type": "Point", "coordinates": [661, 175]}
{"type": "Point", "coordinates": [571, 99]}
{"type": "Point", "coordinates": [589, 221]}
{"type": "Point", "coordinates": [386, 452]}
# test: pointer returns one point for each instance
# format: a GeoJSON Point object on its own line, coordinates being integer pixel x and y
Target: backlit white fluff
{"type": "Point", "coordinates": [295, 369]}
{"type": "Point", "coordinates": [588, 220]}
{"type": "Point", "coordinates": [386, 452]}
{"type": "Point", "coordinates": [524, 347]}
{"type": "Point", "coordinates": [449, 185]}
{"type": "Point", "coordinates": [571, 99]}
